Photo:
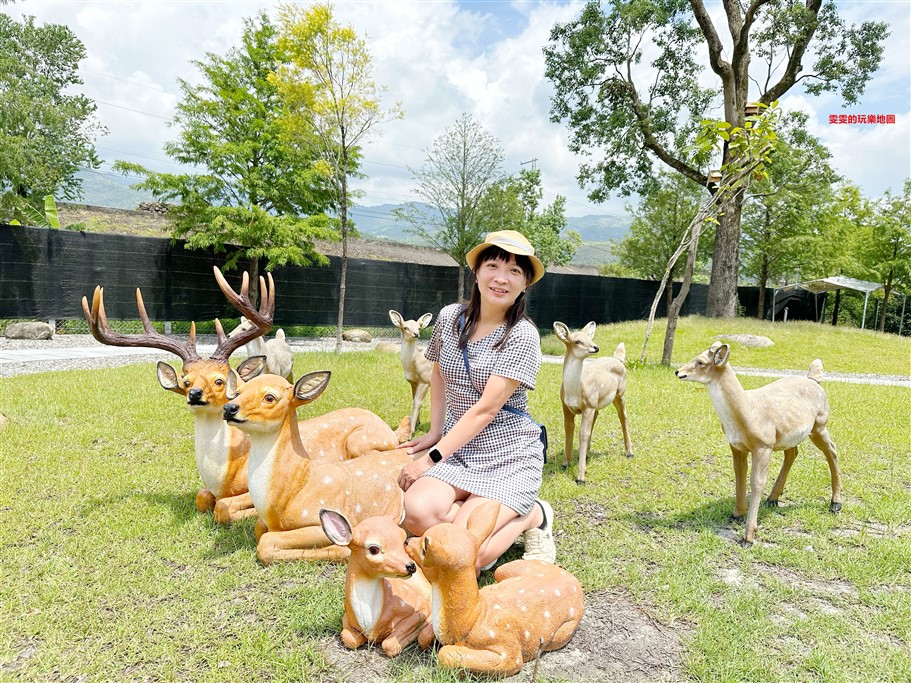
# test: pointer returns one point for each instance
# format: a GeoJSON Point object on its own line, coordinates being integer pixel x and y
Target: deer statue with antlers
{"type": "Point", "coordinates": [417, 368]}
{"type": "Point", "coordinates": [288, 488]}
{"type": "Point", "coordinates": [222, 451]}
{"type": "Point", "coordinates": [534, 607]}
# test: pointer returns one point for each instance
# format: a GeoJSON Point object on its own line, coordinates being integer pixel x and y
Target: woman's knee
{"type": "Point", "coordinates": [425, 508]}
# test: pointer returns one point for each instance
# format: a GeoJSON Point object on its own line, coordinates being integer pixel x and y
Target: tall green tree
{"type": "Point", "coordinates": [515, 204]}
{"type": "Point", "coordinates": [783, 210]}
{"type": "Point", "coordinates": [255, 191]}
{"type": "Point", "coordinates": [47, 129]}
{"type": "Point", "coordinates": [628, 73]}
{"type": "Point", "coordinates": [331, 99]}
{"type": "Point", "coordinates": [660, 223]}
{"type": "Point", "coordinates": [463, 165]}
{"type": "Point", "coordinates": [885, 245]}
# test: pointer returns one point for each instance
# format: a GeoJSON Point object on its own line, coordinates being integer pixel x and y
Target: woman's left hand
{"type": "Point", "coordinates": [412, 472]}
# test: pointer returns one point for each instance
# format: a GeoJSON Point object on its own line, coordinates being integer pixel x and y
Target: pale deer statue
{"type": "Point", "coordinates": [534, 607]}
{"type": "Point", "coordinates": [288, 488]}
{"type": "Point", "coordinates": [222, 451]}
{"type": "Point", "coordinates": [278, 354]}
{"type": "Point", "coordinates": [417, 368]}
{"type": "Point", "coordinates": [774, 417]}
{"type": "Point", "coordinates": [589, 387]}
{"type": "Point", "coordinates": [387, 598]}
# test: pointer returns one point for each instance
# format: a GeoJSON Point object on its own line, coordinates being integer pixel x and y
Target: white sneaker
{"type": "Point", "coordinates": [539, 543]}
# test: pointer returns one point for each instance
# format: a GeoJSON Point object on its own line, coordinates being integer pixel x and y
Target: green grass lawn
{"type": "Point", "coordinates": [107, 573]}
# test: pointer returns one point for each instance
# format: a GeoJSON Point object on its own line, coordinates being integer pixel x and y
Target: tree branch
{"type": "Point", "coordinates": [789, 77]}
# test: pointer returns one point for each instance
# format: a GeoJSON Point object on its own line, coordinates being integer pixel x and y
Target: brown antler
{"type": "Point", "coordinates": [261, 319]}
{"type": "Point", "coordinates": [98, 325]}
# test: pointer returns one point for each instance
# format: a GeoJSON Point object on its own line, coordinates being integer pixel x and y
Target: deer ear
{"type": "Point", "coordinates": [720, 357]}
{"type": "Point", "coordinates": [424, 320]}
{"type": "Point", "coordinates": [251, 367]}
{"type": "Point", "coordinates": [562, 331]}
{"type": "Point", "coordinates": [396, 318]}
{"type": "Point", "coordinates": [482, 520]}
{"type": "Point", "coordinates": [311, 385]}
{"type": "Point", "coordinates": [396, 508]}
{"type": "Point", "coordinates": [167, 377]}
{"type": "Point", "coordinates": [231, 387]}
{"type": "Point", "coordinates": [335, 526]}
{"type": "Point", "coordinates": [589, 330]}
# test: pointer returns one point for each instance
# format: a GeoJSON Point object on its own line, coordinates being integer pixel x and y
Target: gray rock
{"type": "Point", "coordinates": [33, 330]}
{"type": "Point", "coordinates": [357, 336]}
{"type": "Point", "coordinates": [751, 340]}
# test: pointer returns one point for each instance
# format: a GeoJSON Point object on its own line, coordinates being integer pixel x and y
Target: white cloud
{"type": "Point", "coordinates": [439, 59]}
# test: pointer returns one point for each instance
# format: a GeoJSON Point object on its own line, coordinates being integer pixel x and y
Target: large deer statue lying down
{"type": "Point", "coordinates": [287, 487]}
{"type": "Point", "coordinates": [221, 450]}
{"type": "Point", "coordinates": [588, 388]}
{"type": "Point", "coordinates": [534, 607]}
{"type": "Point", "coordinates": [775, 417]}
{"type": "Point", "coordinates": [387, 598]}
{"type": "Point", "coordinates": [416, 367]}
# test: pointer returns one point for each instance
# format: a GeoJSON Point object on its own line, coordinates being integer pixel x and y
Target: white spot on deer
{"type": "Point", "coordinates": [523, 608]}
{"type": "Point", "coordinates": [521, 590]}
{"type": "Point", "coordinates": [388, 487]}
{"type": "Point", "coordinates": [547, 614]}
{"type": "Point", "coordinates": [572, 611]}
{"type": "Point", "coordinates": [527, 634]}
{"type": "Point", "coordinates": [327, 479]}
{"type": "Point", "coordinates": [357, 508]}
{"type": "Point", "coordinates": [322, 502]}
{"type": "Point", "coordinates": [491, 633]}
{"type": "Point", "coordinates": [497, 607]}
{"type": "Point", "coordinates": [557, 592]}
{"type": "Point", "coordinates": [359, 473]}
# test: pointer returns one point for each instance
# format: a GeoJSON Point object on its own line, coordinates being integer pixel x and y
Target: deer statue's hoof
{"type": "Point", "coordinates": [580, 482]}
{"type": "Point", "coordinates": [736, 518]}
{"type": "Point", "coordinates": [746, 544]}
{"type": "Point", "coordinates": [629, 455]}
{"type": "Point", "coordinates": [771, 503]}
{"type": "Point", "coordinates": [564, 467]}
{"type": "Point", "coordinates": [834, 507]}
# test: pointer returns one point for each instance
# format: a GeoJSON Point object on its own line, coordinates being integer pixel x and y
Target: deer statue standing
{"type": "Point", "coordinates": [387, 598]}
{"type": "Point", "coordinates": [222, 451]}
{"type": "Point", "coordinates": [279, 357]}
{"type": "Point", "coordinates": [589, 387]}
{"type": "Point", "coordinates": [774, 417]}
{"type": "Point", "coordinates": [287, 487]}
{"type": "Point", "coordinates": [417, 368]}
{"type": "Point", "coordinates": [534, 607]}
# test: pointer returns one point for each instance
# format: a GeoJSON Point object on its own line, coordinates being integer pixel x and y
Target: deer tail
{"type": "Point", "coordinates": [815, 370]}
{"type": "Point", "coordinates": [403, 433]}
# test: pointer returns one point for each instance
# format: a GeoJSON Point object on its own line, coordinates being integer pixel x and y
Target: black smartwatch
{"type": "Point", "coordinates": [435, 455]}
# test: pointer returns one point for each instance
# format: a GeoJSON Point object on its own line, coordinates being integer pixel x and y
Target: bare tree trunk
{"type": "Point", "coordinates": [722, 299]}
{"type": "Point", "coordinates": [253, 293]}
{"type": "Point", "coordinates": [836, 307]}
{"type": "Point", "coordinates": [462, 275]}
{"type": "Point", "coordinates": [669, 294]}
{"type": "Point", "coordinates": [673, 311]}
{"type": "Point", "coordinates": [763, 281]}
{"type": "Point", "coordinates": [343, 213]}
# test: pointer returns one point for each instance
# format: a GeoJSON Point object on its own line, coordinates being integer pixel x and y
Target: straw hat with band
{"type": "Point", "coordinates": [513, 242]}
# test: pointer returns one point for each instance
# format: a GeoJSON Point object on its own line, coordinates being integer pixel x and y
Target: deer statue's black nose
{"type": "Point", "coordinates": [194, 395]}
{"type": "Point", "coordinates": [230, 410]}
{"type": "Point", "coordinates": [411, 568]}
{"type": "Point", "coordinates": [597, 349]}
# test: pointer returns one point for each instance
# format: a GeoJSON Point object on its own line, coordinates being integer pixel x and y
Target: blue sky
{"type": "Point", "coordinates": [439, 58]}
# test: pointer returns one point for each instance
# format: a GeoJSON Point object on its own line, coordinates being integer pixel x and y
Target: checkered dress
{"type": "Point", "coordinates": [503, 462]}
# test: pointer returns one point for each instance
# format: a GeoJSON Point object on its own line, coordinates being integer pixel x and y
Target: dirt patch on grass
{"type": "Point", "coordinates": [616, 640]}
{"type": "Point", "coordinates": [830, 588]}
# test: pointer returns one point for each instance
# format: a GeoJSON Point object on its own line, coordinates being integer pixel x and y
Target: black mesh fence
{"type": "Point", "coordinates": [45, 273]}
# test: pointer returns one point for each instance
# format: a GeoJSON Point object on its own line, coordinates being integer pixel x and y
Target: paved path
{"type": "Point", "coordinates": [45, 359]}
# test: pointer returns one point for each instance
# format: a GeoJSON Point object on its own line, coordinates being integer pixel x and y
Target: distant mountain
{"type": "Point", "coordinates": [110, 190]}
{"type": "Point", "coordinates": [378, 222]}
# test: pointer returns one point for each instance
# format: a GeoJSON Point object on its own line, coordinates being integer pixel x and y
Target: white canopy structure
{"type": "Point", "coordinates": [830, 284]}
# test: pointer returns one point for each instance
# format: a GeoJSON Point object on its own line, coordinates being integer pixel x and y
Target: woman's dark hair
{"type": "Point", "coordinates": [472, 309]}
